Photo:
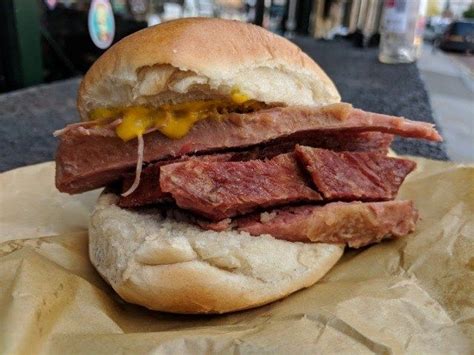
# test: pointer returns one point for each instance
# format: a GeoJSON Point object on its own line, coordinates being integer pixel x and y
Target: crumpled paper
{"type": "Point", "coordinates": [414, 295]}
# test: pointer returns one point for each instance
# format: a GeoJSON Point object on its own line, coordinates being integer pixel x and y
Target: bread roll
{"type": "Point", "coordinates": [173, 266]}
{"type": "Point", "coordinates": [203, 58]}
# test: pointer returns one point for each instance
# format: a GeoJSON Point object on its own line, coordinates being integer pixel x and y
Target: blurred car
{"type": "Point", "coordinates": [459, 37]}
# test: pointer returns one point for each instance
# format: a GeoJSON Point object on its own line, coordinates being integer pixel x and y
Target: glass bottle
{"type": "Point", "coordinates": [402, 25]}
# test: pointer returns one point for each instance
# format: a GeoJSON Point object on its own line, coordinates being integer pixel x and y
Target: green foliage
{"type": "Point", "coordinates": [469, 13]}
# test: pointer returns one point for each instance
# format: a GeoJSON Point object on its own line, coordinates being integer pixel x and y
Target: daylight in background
{"type": "Point", "coordinates": [43, 41]}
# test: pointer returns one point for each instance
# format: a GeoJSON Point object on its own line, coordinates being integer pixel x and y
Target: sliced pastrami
{"type": "Point", "coordinates": [350, 176]}
{"type": "Point", "coordinates": [149, 191]}
{"type": "Point", "coordinates": [91, 157]}
{"type": "Point", "coordinates": [355, 224]}
{"type": "Point", "coordinates": [218, 190]}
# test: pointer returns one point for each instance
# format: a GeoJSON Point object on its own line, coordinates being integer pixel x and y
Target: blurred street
{"type": "Point", "coordinates": [449, 79]}
{"type": "Point", "coordinates": [464, 60]}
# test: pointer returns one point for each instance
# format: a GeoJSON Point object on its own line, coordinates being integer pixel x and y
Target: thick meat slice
{"type": "Point", "coordinates": [338, 141]}
{"type": "Point", "coordinates": [218, 190]}
{"type": "Point", "coordinates": [149, 191]}
{"type": "Point", "coordinates": [354, 223]}
{"type": "Point", "coordinates": [353, 176]}
{"type": "Point", "coordinates": [343, 176]}
{"type": "Point", "coordinates": [89, 158]}
{"type": "Point", "coordinates": [346, 176]}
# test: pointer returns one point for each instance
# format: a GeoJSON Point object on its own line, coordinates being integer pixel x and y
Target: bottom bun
{"type": "Point", "coordinates": [173, 266]}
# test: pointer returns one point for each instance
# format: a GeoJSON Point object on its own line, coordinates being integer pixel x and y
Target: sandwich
{"type": "Point", "coordinates": [233, 173]}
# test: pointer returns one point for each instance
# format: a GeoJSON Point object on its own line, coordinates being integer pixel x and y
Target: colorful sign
{"type": "Point", "coordinates": [101, 23]}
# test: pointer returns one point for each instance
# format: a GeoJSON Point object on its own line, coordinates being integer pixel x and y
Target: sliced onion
{"type": "Point", "coordinates": [138, 170]}
{"type": "Point", "coordinates": [86, 125]}
{"type": "Point", "coordinates": [71, 126]}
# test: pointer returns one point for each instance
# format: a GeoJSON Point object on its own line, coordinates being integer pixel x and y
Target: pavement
{"type": "Point", "coordinates": [465, 60]}
{"type": "Point", "coordinates": [449, 80]}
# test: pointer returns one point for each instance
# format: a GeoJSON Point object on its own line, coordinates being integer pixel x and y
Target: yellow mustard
{"type": "Point", "coordinates": [238, 96]}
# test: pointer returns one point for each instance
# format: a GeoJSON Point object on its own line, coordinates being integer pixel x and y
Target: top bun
{"type": "Point", "coordinates": [203, 58]}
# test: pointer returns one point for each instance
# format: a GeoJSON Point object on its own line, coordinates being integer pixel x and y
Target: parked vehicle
{"type": "Point", "coordinates": [459, 37]}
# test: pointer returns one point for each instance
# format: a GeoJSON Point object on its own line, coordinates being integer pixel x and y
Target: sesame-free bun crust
{"type": "Point", "coordinates": [201, 58]}
{"type": "Point", "coordinates": [173, 266]}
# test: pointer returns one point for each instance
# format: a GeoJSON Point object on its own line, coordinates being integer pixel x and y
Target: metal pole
{"type": "Point", "coordinates": [291, 22]}
{"type": "Point", "coordinates": [259, 12]}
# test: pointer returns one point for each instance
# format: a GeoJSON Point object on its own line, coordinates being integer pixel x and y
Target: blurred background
{"type": "Point", "coordinates": [48, 40]}
{"type": "Point", "coordinates": [44, 41]}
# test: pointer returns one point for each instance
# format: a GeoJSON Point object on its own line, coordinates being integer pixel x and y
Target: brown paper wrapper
{"type": "Point", "coordinates": [413, 295]}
